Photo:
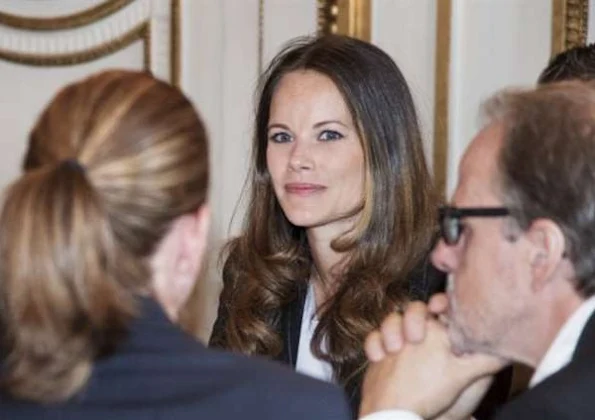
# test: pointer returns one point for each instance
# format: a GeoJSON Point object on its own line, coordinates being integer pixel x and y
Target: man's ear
{"type": "Point", "coordinates": [547, 246]}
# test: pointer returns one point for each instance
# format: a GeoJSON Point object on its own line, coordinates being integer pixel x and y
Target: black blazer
{"type": "Point", "coordinates": [159, 372]}
{"type": "Point", "coordinates": [423, 282]}
{"type": "Point", "coordinates": [566, 395]}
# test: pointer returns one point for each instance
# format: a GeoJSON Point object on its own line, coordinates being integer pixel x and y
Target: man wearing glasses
{"type": "Point", "coordinates": [518, 244]}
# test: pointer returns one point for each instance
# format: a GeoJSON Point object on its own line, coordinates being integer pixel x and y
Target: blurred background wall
{"type": "Point", "coordinates": [454, 53]}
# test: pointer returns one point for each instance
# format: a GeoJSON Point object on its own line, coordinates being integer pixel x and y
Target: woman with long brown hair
{"type": "Point", "coordinates": [341, 214]}
{"type": "Point", "coordinates": [101, 241]}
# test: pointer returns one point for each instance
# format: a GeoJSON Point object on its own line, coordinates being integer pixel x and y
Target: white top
{"type": "Point", "coordinates": [306, 362]}
{"type": "Point", "coordinates": [558, 355]}
{"type": "Point", "coordinates": [392, 415]}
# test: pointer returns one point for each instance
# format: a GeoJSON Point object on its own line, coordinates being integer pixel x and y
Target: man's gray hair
{"type": "Point", "coordinates": [547, 164]}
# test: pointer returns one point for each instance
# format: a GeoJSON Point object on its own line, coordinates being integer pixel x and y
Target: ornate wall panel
{"type": "Point", "coordinates": [47, 44]}
{"type": "Point", "coordinates": [72, 20]}
{"type": "Point", "coordinates": [92, 33]}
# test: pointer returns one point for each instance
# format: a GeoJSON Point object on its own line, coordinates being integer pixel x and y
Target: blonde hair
{"type": "Point", "coordinates": [112, 161]}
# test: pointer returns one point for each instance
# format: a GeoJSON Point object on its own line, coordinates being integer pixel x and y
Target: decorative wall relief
{"type": "Point", "coordinates": [92, 33]}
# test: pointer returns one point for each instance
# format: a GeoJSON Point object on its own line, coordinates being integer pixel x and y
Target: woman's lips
{"type": "Point", "coordinates": [300, 188]}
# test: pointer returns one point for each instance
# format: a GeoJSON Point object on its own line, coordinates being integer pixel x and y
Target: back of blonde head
{"type": "Point", "coordinates": [112, 161]}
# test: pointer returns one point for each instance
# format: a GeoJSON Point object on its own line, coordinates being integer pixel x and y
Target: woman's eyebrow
{"type": "Point", "coordinates": [321, 123]}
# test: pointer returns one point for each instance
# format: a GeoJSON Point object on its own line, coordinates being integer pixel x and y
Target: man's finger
{"type": "Point", "coordinates": [414, 323]}
{"type": "Point", "coordinates": [438, 304]}
{"type": "Point", "coordinates": [374, 347]}
{"type": "Point", "coordinates": [480, 363]}
{"type": "Point", "coordinates": [392, 333]}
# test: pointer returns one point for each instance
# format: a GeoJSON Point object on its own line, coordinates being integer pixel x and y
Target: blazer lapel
{"type": "Point", "coordinates": [585, 349]}
{"type": "Point", "coordinates": [291, 325]}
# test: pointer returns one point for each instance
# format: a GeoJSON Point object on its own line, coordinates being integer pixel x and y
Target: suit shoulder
{"type": "Point", "coordinates": [276, 390]}
{"type": "Point", "coordinates": [563, 396]}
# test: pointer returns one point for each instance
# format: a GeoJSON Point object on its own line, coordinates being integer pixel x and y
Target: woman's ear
{"type": "Point", "coordinates": [196, 238]}
{"type": "Point", "coordinates": [178, 260]}
{"type": "Point", "coordinates": [194, 231]}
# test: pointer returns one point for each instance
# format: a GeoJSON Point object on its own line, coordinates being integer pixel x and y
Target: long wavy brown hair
{"type": "Point", "coordinates": [271, 259]}
{"type": "Point", "coordinates": [112, 161]}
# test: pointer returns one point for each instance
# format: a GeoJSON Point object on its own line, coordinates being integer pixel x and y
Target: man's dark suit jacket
{"type": "Point", "coordinates": [159, 372]}
{"type": "Point", "coordinates": [566, 395]}
{"type": "Point", "coordinates": [423, 282]}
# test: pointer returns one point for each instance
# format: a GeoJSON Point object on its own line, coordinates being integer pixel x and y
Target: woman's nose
{"type": "Point", "coordinates": [301, 157]}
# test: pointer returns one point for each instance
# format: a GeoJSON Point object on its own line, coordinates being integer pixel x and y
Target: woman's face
{"type": "Point", "coordinates": [314, 154]}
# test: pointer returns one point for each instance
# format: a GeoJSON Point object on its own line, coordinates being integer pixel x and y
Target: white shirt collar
{"type": "Point", "coordinates": [562, 348]}
{"type": "Point", "coordinates": [307, 363]}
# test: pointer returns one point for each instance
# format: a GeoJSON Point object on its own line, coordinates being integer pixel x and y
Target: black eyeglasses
{"type": "Point", "coordinates": [450, 219]}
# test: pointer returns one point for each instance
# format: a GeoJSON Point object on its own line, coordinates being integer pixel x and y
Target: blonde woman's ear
{"type": "Point", "coordinates": [194, 231]}
{"type": "Point", "coordinates": [198, 238]}
{"type": "Point", "coordinates": [178, 260]}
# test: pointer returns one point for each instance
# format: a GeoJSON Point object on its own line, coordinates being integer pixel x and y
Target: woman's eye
{"type": "Point", "coordinates": [280, 137]}
{"type": "Point", "coordinates": [330, 135]}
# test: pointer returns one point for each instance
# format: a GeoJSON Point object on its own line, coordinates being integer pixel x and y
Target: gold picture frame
{"type": "Point", "coordinates": [569, 24]}
{"type": "Point", "coordinates": [345, 17]}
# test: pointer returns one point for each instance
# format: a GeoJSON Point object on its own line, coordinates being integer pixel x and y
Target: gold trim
{"type": "Point", "coordinates": [569, 24]}
{"type": "Point", "coordinates": [441, 90]}
{"type": "Point", "coordinates": [175, 43]}
{"type": "Point", "coordinates": [558, 14]}
{"type": "Point", "coordinates": [141, 32]}
{"type": "Point", "coordinates": [260, 36]}
{"type": "Point", "coordinates": [345, 17]}
{"type": "Point", "coordinates": [74, 20]}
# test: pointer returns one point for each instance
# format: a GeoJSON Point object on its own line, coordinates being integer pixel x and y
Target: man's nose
{"type": "Point", "coordinates": [444, 257]}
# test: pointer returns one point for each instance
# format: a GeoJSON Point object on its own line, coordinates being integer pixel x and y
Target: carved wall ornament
{"type": "Point", "coordinates": [96, 32]}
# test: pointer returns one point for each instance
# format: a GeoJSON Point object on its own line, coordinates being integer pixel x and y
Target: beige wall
{"type": "Point", "coordinates": [406, 30]}
{"type": "Point", "coordinates": [494, 43]}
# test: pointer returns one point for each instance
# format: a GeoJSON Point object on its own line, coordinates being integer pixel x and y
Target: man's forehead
{"type": "Point", "coordinates": [478, 170]}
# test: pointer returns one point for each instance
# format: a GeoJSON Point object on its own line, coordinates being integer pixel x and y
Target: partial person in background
{"type": "Point", "coordinates": [102, 239]}
{"type": "Point", "coordinates": [518, 244]}
{"type": "Point", "coordinates": [341, 214]}
{"type": "Point", "coordinates": [574, 63]}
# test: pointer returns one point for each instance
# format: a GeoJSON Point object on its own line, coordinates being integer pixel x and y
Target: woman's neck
{"type": "Point", "coordinates": [327, 262]}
